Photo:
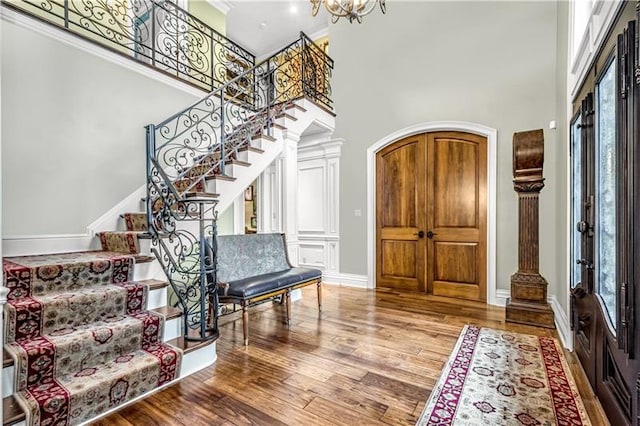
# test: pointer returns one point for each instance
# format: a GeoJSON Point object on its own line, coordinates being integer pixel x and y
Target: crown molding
{"type": "Point", "coordinates": [223, 6]}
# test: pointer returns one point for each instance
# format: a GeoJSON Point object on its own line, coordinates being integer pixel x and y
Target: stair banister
{"type": "Point", "coordinates": [191, 145]}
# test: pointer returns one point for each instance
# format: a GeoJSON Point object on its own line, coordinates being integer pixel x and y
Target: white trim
{"type": "Point", "coordinates": [63, 36]}
{"type": "Point", "coordinates": [238, 214]}
{"type": "Point", "coordinates": [322, 32]}
{"type": "Point", "coordinates": [345, 280]}
{"type": "Point", "coordinates": [492, 142]}
{"type": "Point", "coordinates": [224, 6]}
{"type": "Point", "coordinates": [601, 19]}
{"type": "Point", "coordinates": [562, 322]}
{"type": "Point", "coordinates": [559, 315]}
{"type": "Point", "coordinates": [21, 245]}
{"type": "Point", "coordinates": [501, 296]}
{"type": "Point", "coordinates": [109, 220]}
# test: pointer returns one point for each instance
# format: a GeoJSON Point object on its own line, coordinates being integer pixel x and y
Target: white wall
{"type": "Point", "coordinates": [72, 131]}
{"type": "Point", "coordinates": [561, 153]}
{"type": "Point", "coordinates": [491, 63]}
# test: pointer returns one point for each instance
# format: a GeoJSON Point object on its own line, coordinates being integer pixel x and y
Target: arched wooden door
{"type": "Point", "coordinates": [431, 215]}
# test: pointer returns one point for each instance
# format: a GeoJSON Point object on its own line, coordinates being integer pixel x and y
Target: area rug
{"type": "Point", "coordinates": [496, 377]}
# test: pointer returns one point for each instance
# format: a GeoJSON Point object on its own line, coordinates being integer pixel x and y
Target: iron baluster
{"type": "Point", "coordinates": [66, 13]}
{"type": "Point", "coordinates": [153, 33]}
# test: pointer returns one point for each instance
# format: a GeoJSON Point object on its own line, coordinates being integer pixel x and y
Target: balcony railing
{"type": "Point", "coordinates": [156, 33]}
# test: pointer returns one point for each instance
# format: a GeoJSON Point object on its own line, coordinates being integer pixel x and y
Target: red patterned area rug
{"type": "Point", "coordinates": [497, 377]}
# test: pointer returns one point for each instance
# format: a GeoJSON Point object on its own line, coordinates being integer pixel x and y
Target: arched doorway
{"type": "Point", "coordinates": [444, 176]}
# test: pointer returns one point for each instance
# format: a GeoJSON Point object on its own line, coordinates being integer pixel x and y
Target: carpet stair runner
{"type": "Point", "coordinates": [80, 337]}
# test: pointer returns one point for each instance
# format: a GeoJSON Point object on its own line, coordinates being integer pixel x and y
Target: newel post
{"type": "Point", "coordinates": [528, 301]}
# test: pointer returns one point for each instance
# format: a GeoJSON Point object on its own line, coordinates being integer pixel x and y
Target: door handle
{"type": "Point", "coordinates": [430, 234]}
{"type": "Point", "coordinates": [582, 226]}
{"type": "Point", "coordinates": [586, 263]}
{"type": "Point", "coordinates": [419, 234]}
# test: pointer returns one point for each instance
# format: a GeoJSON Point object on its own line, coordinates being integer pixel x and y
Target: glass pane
{"type": "Point", "coordinates": [606, 193]}
{"type": "Point", "coordinates": [576, 201]}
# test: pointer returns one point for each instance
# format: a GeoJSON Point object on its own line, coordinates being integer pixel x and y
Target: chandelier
{"type": "Point", "coordinates": [353, 10]}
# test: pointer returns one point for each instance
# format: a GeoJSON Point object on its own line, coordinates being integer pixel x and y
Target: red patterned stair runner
{"type": "Point", "coordinates": [79, 334]}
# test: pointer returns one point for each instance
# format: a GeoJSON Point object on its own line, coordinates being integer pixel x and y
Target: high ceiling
{"type": "Point", "coordinates": [266, 26]}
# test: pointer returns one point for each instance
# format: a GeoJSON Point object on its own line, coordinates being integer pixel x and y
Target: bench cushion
{"type": "Point", "coordinates": [244, 256]}
{"type": "Point", "coordinates": [250, 287]}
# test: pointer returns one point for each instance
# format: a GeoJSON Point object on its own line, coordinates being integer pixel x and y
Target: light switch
{"type": "Point", "coordinates": [357, 212]}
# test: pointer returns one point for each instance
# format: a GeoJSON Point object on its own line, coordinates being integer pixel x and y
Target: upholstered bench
{"type": "Point", "coordinates": [256, 267]}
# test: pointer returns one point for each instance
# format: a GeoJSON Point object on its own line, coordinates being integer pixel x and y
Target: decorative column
{"type": "Point", "coordinates": [528, 301]}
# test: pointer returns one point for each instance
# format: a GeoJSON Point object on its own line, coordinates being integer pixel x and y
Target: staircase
{"type": "Point", "coordinates": [91, 330]}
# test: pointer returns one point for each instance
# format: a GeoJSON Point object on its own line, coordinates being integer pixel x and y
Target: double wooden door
{"type": "Point", "coordinates": [431, 215]}
{"type": "Point", "coordinates": [605, 236]}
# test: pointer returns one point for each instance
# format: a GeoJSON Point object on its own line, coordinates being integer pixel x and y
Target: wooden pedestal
{"type": "Point", "coordinates": [528, 301]}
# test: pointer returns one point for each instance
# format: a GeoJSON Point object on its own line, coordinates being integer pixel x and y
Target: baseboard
{"type": "Point", "coordinates": [109, 221]}
{"type": "Point", "coordinates": [345, 280]}
{"type": "Point", "coordinates": [501, 297]}
{"type": "Point", "coordinates": [560, 316]}
{"type": "Point", "coordinates": [562, 323]}
{"type": "Point", "coordinates": [23, 245]}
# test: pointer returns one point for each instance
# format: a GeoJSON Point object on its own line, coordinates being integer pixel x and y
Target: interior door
{"type": "Point", "coordinates": [400, 205]}
{"type": "Point", "coordinates": [456, 215]}
{"type": "Point", "coordinates": [431, 215]}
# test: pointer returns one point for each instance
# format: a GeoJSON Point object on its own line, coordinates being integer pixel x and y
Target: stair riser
{"type": "Point", "coordinates": [172, 329]}
{"type": "Point", "coordinates": [218, 186]}
{"type": "Point", "coordinates": [145, 247]}
{"type": "Point", "coordinates": [145, 271]}
{"type": "Point", "coordinates": [248, 156]}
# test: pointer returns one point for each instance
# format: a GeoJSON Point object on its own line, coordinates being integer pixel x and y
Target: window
{"type": "Point", "coordinates": [606, 164]}
{"type": "Point", "coordinates": [581, 14]}
{"type": "Point", "coordinates": [576, 199]}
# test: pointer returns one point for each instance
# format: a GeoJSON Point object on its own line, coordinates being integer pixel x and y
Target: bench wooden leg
{"type": "Point", "coordinates": [320, 296]}
{"type": "Point", "coordinates": [288, 310]}
{"type": "Point", "coordinates": [245, 323]}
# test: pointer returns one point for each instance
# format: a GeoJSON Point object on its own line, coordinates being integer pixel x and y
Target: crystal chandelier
{"type": "Point", "coordinates": [353, 10]}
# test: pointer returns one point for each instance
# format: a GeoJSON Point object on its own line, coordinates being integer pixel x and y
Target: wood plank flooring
{"type": "Point", "coordinates": [370, 357]}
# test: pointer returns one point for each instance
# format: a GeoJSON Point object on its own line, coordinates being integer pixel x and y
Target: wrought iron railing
{"type": "Point", "coordinates": [193, 145]}
{"type": "Point", "coordinates": [156, 33]}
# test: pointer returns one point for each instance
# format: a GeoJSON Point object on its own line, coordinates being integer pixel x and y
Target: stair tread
{"type": "Point", "coordinates": [294, 105]}
{"type": "Point", "coordinates": [7, 361]}
{"type": "Point", "coordinates": [190, 345]}
{"type": "Point", "coordinates": [239, 163]}
{"type": "Point", "coordinates": [169, 312]}
{"type": "Point", "coordinates": [144, 258]}
{"type": "Point", "coordinates": [139, 234]}
{"type": "Point", "coordinates": [268, 137]}
{"type": "Point", "coordinates": [154, 284]}
{"type": "Point", "coordinates": [201, 195]}
{"type": "Point", "coordinates": [61, 258]}
{"type": "Point", "coordinates": [11, 411]}
{"type": "Point", "coordinates": [225, 178]}
{"type": "Point", "coordinates": [287, 116]}
{"type": "Point", "coordinates": [252, 149]}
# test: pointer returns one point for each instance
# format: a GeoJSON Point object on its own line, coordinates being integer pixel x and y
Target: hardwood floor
{"type": "Point", "coordinates": [370, 357]}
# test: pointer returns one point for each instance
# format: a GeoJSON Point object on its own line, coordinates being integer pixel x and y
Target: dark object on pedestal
{"type": "Point", "coordinates": [528, 301]}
